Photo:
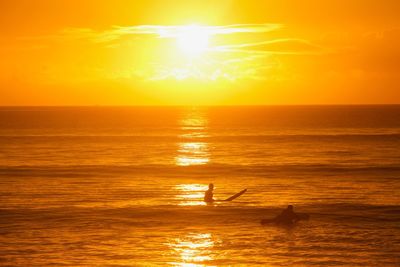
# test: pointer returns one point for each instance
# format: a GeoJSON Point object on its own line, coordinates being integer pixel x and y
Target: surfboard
{"type": "Point", "coordinates": [301, 217]}
{"type": "Point", "coordinates": [267, 221]}
{"type": "Point", "coordinates": [236, 195]}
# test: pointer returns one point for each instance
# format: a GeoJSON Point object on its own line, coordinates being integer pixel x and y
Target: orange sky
{"type": "Point", "coordinates": [71, 52]}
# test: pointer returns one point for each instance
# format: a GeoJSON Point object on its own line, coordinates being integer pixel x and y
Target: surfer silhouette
{"type": "Point", "coordinates": [209, 196]}
{"type": "Point", "coordinates": [287, 216]}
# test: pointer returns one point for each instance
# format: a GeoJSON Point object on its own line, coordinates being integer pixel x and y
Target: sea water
{"type": "Point", "coordinates": [123, 186]}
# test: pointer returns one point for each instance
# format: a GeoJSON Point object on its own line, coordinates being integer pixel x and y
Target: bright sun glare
{"type": "Point", "coordinates": [193, 40]}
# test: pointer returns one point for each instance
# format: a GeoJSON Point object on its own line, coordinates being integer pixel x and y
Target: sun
{"type": "Point", "coordinates": [193, 40]}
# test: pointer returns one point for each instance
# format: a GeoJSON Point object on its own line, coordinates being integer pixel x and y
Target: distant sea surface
{"type": "Point", "coordinates": [123, 186]}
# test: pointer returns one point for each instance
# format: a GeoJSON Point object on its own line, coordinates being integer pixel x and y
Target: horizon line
{"type": "Point", "coordinates": [189, 105]}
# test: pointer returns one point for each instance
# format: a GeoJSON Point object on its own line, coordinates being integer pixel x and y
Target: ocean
{"type": "Point", "coordinates": [123, 186]}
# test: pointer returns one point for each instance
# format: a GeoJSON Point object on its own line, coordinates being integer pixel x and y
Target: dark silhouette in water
{"type": "Point", "coordinates": [209, 196]}
{"type": "Point", "coordinates": [287, 217]}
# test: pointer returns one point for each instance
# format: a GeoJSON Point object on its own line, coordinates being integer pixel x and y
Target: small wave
{"type": "Point", "coordinates": [173, 170]}
{"type": "Point", "coordinates": [177, 135]}
{"type": "Point", "coordinates": [148, 216]}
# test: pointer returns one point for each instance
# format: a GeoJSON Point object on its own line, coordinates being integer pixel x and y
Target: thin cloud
{"type": "Point", "coordinates": [159, 31]}
{"type": "Point", "coordinates": [273, 46]}
{"type": "Point", "coordinates": [117, 33]}
{"type": "Point", "coordinates": [243, 59]}
{"type": "Point", "coordinates": [173, 31]}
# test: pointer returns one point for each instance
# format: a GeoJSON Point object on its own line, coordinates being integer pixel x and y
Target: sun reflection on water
{"type": "Point", "coordinates": [191, 194]}
{"type": "Point", "coordinates": [192, 150]}
{"type": "Point", "coordinates": [192, 154]}
{"type": "Point", "coordinates": [195, 249]}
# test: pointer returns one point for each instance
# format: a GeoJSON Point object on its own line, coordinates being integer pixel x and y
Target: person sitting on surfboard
{"type": "Point", "coordinates": [209, 196]}
{"type": "Point", "coordinates": [287, 216]}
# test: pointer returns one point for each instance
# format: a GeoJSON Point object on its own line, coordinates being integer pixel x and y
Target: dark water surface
{"type": "Point", "coordinates": [123, 186]}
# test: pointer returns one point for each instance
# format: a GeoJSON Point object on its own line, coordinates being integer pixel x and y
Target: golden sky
{"type": "Point", "coordinates": [220, 52]}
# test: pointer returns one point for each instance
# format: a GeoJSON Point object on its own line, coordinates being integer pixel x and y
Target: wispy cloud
{"type": "Point", "coordinates": [159, 31]}
{"type": "Point", "coordinates": [230, 58]}
{"type": "Point", "coordinates": [173, 31]}
{"type": "Point", "coordinates": [111, 36]}
{"type": "Point", "coordinates": [273, 46]}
